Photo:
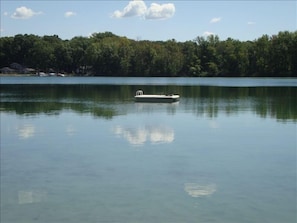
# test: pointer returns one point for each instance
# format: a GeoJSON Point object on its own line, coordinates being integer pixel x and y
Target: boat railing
{"type": "Point", "coordinates": [139, 92]}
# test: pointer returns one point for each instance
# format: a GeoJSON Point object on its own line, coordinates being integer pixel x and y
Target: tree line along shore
{"type": "Point", "coordinates": [106, 54]}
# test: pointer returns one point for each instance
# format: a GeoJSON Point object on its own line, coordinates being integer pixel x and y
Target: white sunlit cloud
{"type": "Point", "coordinates": [134, 8]}
{"type": "Point", "coordinates": [207, 33]}
{"type": "Point", "coordinates": [24, 13]}
{"type": "Point", "coordinates": [69, 14]}
{"type": "Point", "coordinates": [139, 8]}
{"type": "Point", "coordinates": [215, 20]}
{"type": "Point", "coordinates": [164, 11]}
{"type": "Point", "coordinates": [251, 23]}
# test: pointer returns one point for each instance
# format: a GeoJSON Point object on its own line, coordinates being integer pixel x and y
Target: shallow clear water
{"type": "Point", "coordinates": [73, 152]}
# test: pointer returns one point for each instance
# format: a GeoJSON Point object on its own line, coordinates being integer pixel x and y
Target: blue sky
{"type": "Point", "coordinates": [149, 20]}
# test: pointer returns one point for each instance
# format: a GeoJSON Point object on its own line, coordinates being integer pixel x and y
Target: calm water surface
{"type": "Point", "coordinates": [81, 150]}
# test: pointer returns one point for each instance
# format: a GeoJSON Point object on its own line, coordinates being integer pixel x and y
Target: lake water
{"type": "Point", "coordinates": [81, 150]}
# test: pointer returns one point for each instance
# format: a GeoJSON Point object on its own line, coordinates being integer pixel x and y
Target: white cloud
{"type": "Point", "coordinates": [24, 13]}
{"type": "Point", "coordinates": [164, 11]}
{"type": "Point", "coordinates": [251, 23]}
{"type": "Point", "coordinates": [207, 33]}
{"type": "Point", "coordinates": [139, 8]}
{"type": "Point", "coordinates": [69, 14]}
{"type": "Point", "coordinates": [215, 20]}
{"type": "Point", "coordinates": [134, 8]}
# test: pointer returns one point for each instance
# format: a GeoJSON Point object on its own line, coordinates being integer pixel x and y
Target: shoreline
{"type": "Point", "coordinates": [85, 76]}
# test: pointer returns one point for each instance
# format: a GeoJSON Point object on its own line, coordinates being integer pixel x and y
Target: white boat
{"type": "Point", "coordinates": [168, 98]}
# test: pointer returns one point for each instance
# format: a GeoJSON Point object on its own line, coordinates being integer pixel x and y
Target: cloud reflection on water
{"type": "Point", "coordinates": [71, 130]}
{"type": "Point", "coordinates": [31, 196]}
{"type": "Point", "coordinates": [141, 135]}
{"type": "Point", "coordinates": [26, 131]}
{"type": "Point", "coordinates": [197, 190]}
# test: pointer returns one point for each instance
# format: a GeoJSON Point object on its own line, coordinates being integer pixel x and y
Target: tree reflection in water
{"type": "Point", "coordinates": [106, 101]}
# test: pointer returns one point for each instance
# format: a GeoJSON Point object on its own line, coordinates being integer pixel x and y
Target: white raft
{"type": "Point", "coordinates": [168, 98]}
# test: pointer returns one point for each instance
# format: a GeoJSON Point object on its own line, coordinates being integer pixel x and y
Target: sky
{"type": "Point", "coordinates": [149, 20]}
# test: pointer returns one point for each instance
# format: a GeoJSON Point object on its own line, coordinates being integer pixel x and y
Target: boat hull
{"type": "Point", "coordinates": [157, 98]}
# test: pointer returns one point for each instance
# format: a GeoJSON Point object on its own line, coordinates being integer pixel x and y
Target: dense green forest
{"type": "Point", "coordinates": [106, 54]}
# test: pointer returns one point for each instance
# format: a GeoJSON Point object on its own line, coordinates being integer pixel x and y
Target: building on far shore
{"type": "Point", "coordinates": [16, 68]}
{"type": "Point", "coordinates": [7, 70]}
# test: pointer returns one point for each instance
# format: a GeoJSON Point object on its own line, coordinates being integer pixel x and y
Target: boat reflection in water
{"type": "Point", "coordinates": [141, 135]}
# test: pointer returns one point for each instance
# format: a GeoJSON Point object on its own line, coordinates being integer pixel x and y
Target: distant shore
{"type": "Point", "coordinates": [29, 75]}
{"type": "Point", "coordinates": [18, 75]}
{"type": "Point", "coordinates": [71, 75]}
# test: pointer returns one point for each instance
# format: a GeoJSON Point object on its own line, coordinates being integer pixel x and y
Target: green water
{"type": "Point", "coordinates": [81, 150]}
